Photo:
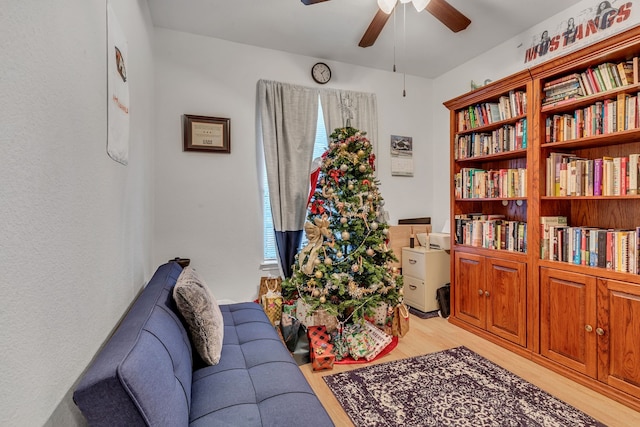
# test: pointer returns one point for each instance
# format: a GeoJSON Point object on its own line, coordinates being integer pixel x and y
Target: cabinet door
{"type": "Point", "coordinates": [506, 295]}
{"type": "Point", "coordinates": [618, 335]}
{"type": "Point", "coordinates": [567, 319]}
{"type": "Point", "coordinates": [469, 299]}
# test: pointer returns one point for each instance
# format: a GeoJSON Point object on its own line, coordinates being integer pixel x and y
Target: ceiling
{"type": "Point", "coordinates": [332, 29]}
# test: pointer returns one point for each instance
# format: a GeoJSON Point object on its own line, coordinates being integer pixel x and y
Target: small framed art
{"type": "Point", "coordinates": [210, 134]}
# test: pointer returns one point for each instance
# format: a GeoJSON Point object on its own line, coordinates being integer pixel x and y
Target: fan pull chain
{"type": "Point", "coordinates": [394, 39]}
{"type": "Point", "coordinates": [404, 54]}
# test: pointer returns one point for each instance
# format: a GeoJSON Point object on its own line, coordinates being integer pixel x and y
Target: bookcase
{"type": "Point", "coordinates": [545, 249]}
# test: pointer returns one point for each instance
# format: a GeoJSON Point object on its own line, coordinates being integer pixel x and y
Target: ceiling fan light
{"type": "Point", "coordinates": [386, 5]}
{"type": "Point", "coordinates": [420, 4]}
{"type": "Point", "coordinates": [405, 1]}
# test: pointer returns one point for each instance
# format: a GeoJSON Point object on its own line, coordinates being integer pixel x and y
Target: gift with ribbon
{"type": "Point", "coordinates": [321, 349]}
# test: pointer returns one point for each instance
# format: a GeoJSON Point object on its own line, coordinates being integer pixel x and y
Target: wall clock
{"type": "Point", "coordinates": [321, 73]}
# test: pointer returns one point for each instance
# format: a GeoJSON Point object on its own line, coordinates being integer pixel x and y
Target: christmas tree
{"type": "Point", "coordinates": [345, 267]}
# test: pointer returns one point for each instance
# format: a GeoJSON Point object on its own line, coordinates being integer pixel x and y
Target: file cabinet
{"type": "Point", "coordinates": [424, 271]}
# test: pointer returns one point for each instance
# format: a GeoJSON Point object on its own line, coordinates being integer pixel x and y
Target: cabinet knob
{"type": "Point", "coordinates": [413, 287]}
{"type": "Point", "coordinates": [600, 331]}
{"type": "Point", "coordinates": [486, 294]}
{"type": "Point", "coordinates": [588, 328]}
{"type": "Point", "coordinates": [480, 292]}
{"type": "Point", "coordinates": [412, 261]}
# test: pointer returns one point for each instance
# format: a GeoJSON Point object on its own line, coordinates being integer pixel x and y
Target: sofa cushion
{"type": "Point", "coordinates": [263, 384]}
{"type": "Point", "coordinates": [143, 374]}
{"type": "Point", "coordinates": [200, 310]}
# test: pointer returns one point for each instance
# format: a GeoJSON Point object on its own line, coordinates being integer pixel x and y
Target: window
{"type": "Point", "coordinates": [319, 148]}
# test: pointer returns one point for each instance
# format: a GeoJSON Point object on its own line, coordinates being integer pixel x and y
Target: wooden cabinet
{"type": "Point", "coordinates": [591, 325]}
{"type": "Point", "coordinates": [618, 335]}
{"type": "Point", "coordinates": [561, 304]}
{"type": "Point", "coordinates": [424, 271]}
{"type": "Point", "coordinates": [490, 293]}
{"type": "Point", "coordinates": [568, 319]}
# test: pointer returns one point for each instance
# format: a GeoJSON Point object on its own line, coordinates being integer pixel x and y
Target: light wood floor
{"type": "Point", "coordinates": [431, 335]}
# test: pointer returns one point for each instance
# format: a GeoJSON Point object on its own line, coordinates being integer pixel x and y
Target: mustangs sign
{"type": "Point", "coordinates": [579, 26]}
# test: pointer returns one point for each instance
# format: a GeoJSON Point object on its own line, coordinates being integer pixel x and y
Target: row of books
{"type": "Point", "coordinates": [617, 250]}
{"type": "Point", "coordinates": [508, 106]}
{"type": "Point", "coordinates": [570, 175]}
{"type": "Point", "coordinates": [603, 117]}
{"type": "Point", "coordinates": [473, 183]}
{"type": "Point", "coordinates": [601, 78]}
{"type": "Point", "coordinates": [491, 232]}
{"type": "Point", "coordinates": [505, 138]}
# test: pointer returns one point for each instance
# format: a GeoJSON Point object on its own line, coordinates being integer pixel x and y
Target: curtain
{"type": "Point", "coordinates": [287, 117]}
{"type": "Point", "coordinates": [347, 108]}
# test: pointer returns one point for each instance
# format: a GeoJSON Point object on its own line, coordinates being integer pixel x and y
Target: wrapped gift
{"type": "Point", "coordinates": [323, 362]}
{"type": "Point", "coordinates": [357, 340]}
{"type": "Point", "coordinates": [321, 349]}
{"type": "Point", "coordinates": [315, 318]}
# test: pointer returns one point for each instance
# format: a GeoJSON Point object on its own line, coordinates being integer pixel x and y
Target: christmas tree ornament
{"type": "Point", "coordinates": [350, 187]}
{"type": "Point", "coordinates": [318, 274]}
{"type": "Point", "coordinates": [344, 220]}
{"type": "Point", "coordinates": [361, 153]}
{"type": "Point", "coordinates": [374, 225]}
{"type": "Point", "coordinates": [328, 261]}
{"type": "Point", "coordinates": [345, 235]}
{"type": "Point", "coordinates": [339, 254]}
{"type": "Point", "coordinates": [344, 167]}
{"type": "Point", "coordinates": [370, 252]}
{"type": "Point", "coordinates": [362, 168]}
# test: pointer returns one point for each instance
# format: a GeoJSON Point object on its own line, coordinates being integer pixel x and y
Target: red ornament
{"type": "Point", "coordinates": [316, 207]}
{"type": "Point", "coordinates": [336, 174]}
{"type": "Point", "coordinates": [372, 161]}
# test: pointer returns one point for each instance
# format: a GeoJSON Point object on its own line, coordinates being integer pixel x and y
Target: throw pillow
{"type": "Point", "coordinates": [201, 313]}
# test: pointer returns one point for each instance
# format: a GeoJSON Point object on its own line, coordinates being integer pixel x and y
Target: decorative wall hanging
{"type": "Point", "coordinates": [203, 133]}
{"type": "Point", "coordinates": [117, 91]}
{"type": "Point", "coordinates": [401, 155]}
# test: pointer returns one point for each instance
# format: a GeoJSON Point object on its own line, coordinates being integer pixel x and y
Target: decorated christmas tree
{"type": "Point", "coordinates": [345, 268]}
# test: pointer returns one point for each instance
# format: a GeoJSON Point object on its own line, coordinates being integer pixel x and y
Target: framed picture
{"type": "Point", "coordinates": [203, 133]}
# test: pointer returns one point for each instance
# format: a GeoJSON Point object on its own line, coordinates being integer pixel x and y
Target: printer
{"type": "Point", "coordinates": [440, 241]}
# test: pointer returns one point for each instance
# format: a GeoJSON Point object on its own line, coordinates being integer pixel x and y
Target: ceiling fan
{"type": "Point", "coordinates": [440, 9]}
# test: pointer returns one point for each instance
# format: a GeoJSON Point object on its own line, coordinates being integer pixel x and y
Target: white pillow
{"type": "Point", "coordinates": [201, 313]}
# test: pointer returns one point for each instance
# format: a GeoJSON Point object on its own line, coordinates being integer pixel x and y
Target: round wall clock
{"type": "Point", "coordinates": [321, 73]}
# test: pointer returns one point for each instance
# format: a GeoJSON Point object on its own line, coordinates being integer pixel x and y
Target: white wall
{"type": "Point", "coordinates": [75, 226]}
{"type": "Point", "coordinates": [208, 206]}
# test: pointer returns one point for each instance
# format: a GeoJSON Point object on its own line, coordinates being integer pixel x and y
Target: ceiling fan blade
{"type": "Point", "coordinates": [448, 15]}
{"type": "Point", "coordinates": [308, 2]}
{"type": "Point", "coordinates": [374, 29]}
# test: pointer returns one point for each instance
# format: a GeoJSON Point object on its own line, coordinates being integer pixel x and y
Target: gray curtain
{"type": "Point", "coordinates": [347, 108]}
{"type": "Point", "coordinates": [287, 116]}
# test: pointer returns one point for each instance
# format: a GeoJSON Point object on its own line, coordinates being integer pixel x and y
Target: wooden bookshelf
{"type": "Point", "coordinates": [573, 318]}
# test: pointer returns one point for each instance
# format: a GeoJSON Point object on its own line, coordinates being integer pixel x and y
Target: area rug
{"type": "Point", "coordinates": [455, 387]}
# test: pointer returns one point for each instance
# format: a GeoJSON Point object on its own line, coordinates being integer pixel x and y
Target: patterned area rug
{"type": "Point", "coordinates": [455, 387]}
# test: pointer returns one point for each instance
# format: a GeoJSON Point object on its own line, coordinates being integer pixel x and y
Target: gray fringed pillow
{"type": "Point", "coordinates": [201, 313]}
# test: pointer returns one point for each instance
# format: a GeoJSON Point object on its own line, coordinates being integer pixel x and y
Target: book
{"type": "Point", "coordinates": [625, 69]}
{"type": "Point", "coordinates": [547, 223]}
{"type": "Point", "coordinates": [597, 177]}
{"type": "Point", "coordinates": [633, 173]}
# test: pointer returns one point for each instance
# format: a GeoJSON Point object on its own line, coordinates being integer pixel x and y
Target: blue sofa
{"type": "Point", "coordinates": [146, 375]}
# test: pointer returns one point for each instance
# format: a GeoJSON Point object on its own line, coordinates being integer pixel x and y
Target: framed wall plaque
{"type": "Point", "coordinates": [202, 133]}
